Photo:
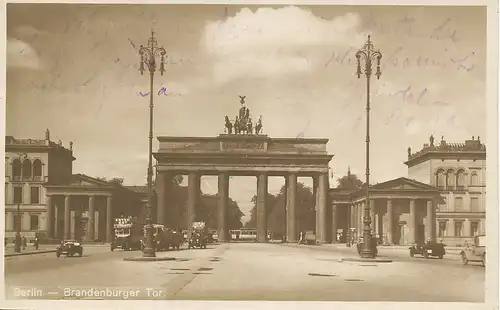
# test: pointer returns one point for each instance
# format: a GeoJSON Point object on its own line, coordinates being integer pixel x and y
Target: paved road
{"type": "Point", "coordinates": [249, 271]}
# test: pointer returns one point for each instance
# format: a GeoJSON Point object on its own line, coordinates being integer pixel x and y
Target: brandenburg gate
{"type": "Point", "coordinates": [244, 151]}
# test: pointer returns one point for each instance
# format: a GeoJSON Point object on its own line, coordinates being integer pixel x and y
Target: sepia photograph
{"type": "Point", "coordinates": [250, 152]}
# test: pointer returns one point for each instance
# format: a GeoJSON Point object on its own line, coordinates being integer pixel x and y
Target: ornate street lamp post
{"type": "Point", "coordinates": [148, 58]}
{"type": "Point", "coordinates": [369, 54]}
{"type": "Point", "coordinates": [17, 242]}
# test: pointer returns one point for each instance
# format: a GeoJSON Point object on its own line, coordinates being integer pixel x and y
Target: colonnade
{"type": "Point", "coordinates": [54, 216]}
{"type": "Point", "coordinates": [321, 186]}
{"type": "Point", "coordinates": [396, 221]}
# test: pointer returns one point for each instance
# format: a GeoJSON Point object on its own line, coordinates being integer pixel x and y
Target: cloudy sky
{"type": "Point", "coordinates": [74, 69]}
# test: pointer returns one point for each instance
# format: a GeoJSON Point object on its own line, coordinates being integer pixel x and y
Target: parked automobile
{"type": "Point", "coordinates": [428, 249]}
{"type": "Point", "coordinates": [69, 248]}
{"type": "Point", "coordinates": [373, 245]}
{"type": "Point", "coordinates": [475, 252]}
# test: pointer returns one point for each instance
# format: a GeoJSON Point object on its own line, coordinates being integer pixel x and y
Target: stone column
{"type": "Point", "coordinates": [412, 224]}
{"type": "Point", "coordinates": [373, 224]}
{"type": "Point", "coordinates": [316, 205]}
{"type": "Point", "coordinates": [262, 184]}
{"type": "Point", "coordinates": [292, 199]}
{"type": "Point", "coordinates": [361, 214]}
{"type": "Point", "coordinates": [334, 223]}
{"type": "Point", "coordinates": [285, 194]}
{"type": "Point", "coordinates": [450, 228]}
{"type": "Point", "coordinates": [161, 198]}
{"type": "Point", "coordinates": [67, 217]}
{"type": "Point", "coordinates": [193, 194]}
{"type": "Point", "coordinates": [91, 222]}
{"type": "Point", "coordinates": [57, 214]}
{"type": "Point", "coordinates": [430, 225]}
{"type": "Point", "coordinates": [50, 216]}
{"type": "Point", "coordinates": [222, 207]}
{"type": "Point", "coordinates": [322, 205]}
{"type": "Point", "coordinates": [390, 222]}
{"type": "Point", "coordinates": [467, 228]}
{"type": "Point", "coordinates": [109, 219]}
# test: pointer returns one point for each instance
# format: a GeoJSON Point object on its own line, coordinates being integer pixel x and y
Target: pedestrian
{"type": "Point", "coordinates": [25, 243]}
{"type": "Point", "coordinates": [35, 243]}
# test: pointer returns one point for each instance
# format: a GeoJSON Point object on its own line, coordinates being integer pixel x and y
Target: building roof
{"type": "Point", "coordinates": [141, 189]}
{"type": "Point", "coordinates": [36, 145]}
{"type": "Point", "coordinates": [473, 149]}
{"type": "Point", "coordinates": [395, 187]}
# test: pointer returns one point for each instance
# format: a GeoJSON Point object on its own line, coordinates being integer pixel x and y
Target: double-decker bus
{"type": "Point", "coordinates": [243, 234]}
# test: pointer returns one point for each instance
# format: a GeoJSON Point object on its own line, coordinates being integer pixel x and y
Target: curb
{"type": "Point", "coordinates": [148, 259]}
{"type": "Point", "coordinates": [367, 260]}
{"type": "Point", "coordinates": [29, 253]}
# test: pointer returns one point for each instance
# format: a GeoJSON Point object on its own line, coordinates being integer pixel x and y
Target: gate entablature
{"type": "Point", "coordinates": [242, 155]}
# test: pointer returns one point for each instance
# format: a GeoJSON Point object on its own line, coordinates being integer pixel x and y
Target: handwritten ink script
{"type": "Point", "coordinates": [396, 59]}
{"type": "Point", "coordinates": [162, 92]}
{"type": "Point", "coordinates": [242, 145]}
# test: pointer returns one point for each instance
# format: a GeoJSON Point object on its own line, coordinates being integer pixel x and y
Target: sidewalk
{"type": "Point", "coordinates": [43, 248]}
{"type": "Point", "coordinates": [30, 249]}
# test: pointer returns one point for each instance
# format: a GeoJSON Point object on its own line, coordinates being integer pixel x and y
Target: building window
{"type": "Point", "coordinates": [442, 229]}
{"type": "Point", "coordinates": [474, 228]}
{"type": "Point", "coordinates": [459, 204]}
{"type": "Point", "coordinates": [450, 180]}
{"type": "Point", "coordinates": [37, 168]}
{"type": "Point", "coordinates": [16, 169]}
{"type": "Point", "coordinates": [35, 195]}
{"type": "Point", "coordinates": [458, 229]}
{"type": "Point", "coordinates": [474, 179]}
{"type": "Point", "coordinates": [26, 168]}
{"type": "Point", "coordinates": [474, 204]}
{"type": "Point", "coordinates": [18, 194]}
{"type": "Point", "coordinates": [34, 222]}
{"type": "Point", "coordinates": [461, 180]}
{"type": "Point", "coordinates": [440, 179]}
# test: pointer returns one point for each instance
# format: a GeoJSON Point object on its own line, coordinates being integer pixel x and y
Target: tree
{"type": "Point", "coordinates": [276, 215]}
{"type": "Point", "coordinates": [270, 203]}
{"type": "Point", "coordinates": [349, 181]}
{"type": "Point", "coordinates": [206, 209]}
{"type": "Point", "coordinates": [115, 180]}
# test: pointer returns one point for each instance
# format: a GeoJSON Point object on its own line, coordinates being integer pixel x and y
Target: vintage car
{"type": "Point", "coordinates": [374, 242]}
{"type": "Point", "coordinates": [475, 252]}
{"type": "Point", "coordinates": [198, 240]}
{"type": "Point", "coordinates": [70, 248]}
{"type": "Point", "coordinates": [428, 249]}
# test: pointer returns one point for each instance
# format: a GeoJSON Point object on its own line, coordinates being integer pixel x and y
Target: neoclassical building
{"type": "Point", "coordinates": [402, 211]}
{"type": "Point", "coordinates": [458, 170]}
{"type": "Point", "coordinates": [44, 197]}
{"type": "Point", "coordinates": [443, 198]}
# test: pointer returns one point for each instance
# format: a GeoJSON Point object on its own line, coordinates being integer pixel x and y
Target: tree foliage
{"type": "Point", "coordinates": [349, 181]}
{"type": "Point", "coordinates": [276, 214]}
{"type": "Point", "coordinates": [205, 209]}
{"type": "Point", "coordinates": [115, 180]}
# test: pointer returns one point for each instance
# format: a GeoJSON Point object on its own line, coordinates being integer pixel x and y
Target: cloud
{"type": "Point", "coordinates": [275, 42]}
{"type": "Point", "coordinates": [21, 55]}
{"type": "Point", "coordinates": [29, 31]}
